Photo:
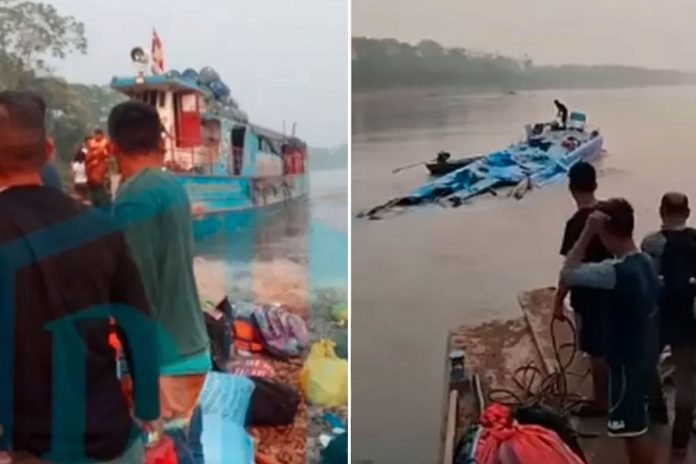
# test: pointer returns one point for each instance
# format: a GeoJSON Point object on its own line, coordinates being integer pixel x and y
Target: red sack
{"type": "Point", "coordinates": [504, 441]}
{"type": "Point", "coordinates": [162, 453]}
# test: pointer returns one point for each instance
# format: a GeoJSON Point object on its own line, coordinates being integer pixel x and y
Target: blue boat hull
{"type": "Point", "coordinates": [229, 204]}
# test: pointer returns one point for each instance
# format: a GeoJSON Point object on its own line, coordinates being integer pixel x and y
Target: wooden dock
{"type": "Point", "coordinates": [494, 351]}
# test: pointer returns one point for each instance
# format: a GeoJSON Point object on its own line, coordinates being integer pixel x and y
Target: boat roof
{"type": "Point", "coordinates": [161, 82]}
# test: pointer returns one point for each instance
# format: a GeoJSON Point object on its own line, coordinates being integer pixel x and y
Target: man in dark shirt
{"type": "Point", "coordinates": [60, 396]}
{"type": "Point", "coordinates": [562, 113]}
{"type": "Point", "coordinates": [632, 319]}
{"type": "Point", "coordinates": [673, 250]}
{"type": "Point", "coordinates": [588, 304]}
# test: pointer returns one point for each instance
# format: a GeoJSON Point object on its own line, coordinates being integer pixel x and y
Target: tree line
{"type": "Point", "coordinates": [389, 63]}
{"type": "Point", "coordinates": [32, 35]}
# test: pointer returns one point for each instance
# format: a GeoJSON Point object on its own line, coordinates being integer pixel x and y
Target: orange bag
{"type": "Point", "coordinates": [504, 441]}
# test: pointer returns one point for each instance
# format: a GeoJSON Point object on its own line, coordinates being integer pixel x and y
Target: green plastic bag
{"type": "Point", "coordinates": [324, 379]}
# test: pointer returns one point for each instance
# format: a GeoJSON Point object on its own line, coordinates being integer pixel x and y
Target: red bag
{"type": "Point", "coordinates": [504, 441]}
{"type": "Point", "coordinates": [162, 453]}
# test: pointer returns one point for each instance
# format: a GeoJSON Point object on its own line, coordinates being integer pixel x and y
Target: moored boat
{"type": "Point", "coordinates": [234, 171]}
{"type": "Point", "coordinates": [444, 164]}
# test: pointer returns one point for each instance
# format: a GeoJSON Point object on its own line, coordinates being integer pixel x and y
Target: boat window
{"type": "Point", "coordinates": [162, 99]}
{"type": "Point", "coordinates": [238, 134]}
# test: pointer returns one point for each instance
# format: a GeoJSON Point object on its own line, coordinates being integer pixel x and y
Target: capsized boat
{"type": "Point", "coordinates": [544, 156]}
{"type": "Point", "coordinates": [233, 171]}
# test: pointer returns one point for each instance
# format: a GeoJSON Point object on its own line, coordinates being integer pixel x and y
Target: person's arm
{"type": "Point", "coordinates": [562, 290]}
{"type": "Point", "coordinates": [138, 334]}
{"type": "Point", "coordinates": [593, 275]}
{"type": "Point", "coordinates": [654, 246]}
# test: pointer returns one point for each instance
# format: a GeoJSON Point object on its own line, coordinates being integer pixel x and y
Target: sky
{"type": "Point", "coordinates": [283, 60]}
{"type": "Point", "coordinates": [649, 33]}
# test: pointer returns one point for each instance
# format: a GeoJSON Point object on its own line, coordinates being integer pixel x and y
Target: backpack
{"type": "Point", "coordinates": [284, 334]}
{"type": "Point", "coordinates": [678, 270]}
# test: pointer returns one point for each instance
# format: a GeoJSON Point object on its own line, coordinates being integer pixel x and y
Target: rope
{"type": "Point", "coordinates": [535, 387]}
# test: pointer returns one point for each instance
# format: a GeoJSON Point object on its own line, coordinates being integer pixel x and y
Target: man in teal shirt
{"type": "Point", "coordinates": [154, 210]}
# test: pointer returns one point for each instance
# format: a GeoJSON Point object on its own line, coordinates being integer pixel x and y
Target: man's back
{"type": "Point", "coordinates": [155, 212]}
{"type": "Point", "coordinates": [65, 260]}
{"type": "Point", "coordinates": [633, 317]}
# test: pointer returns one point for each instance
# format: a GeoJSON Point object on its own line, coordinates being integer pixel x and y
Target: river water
{"type": "Point", "coordinates": [286, 256]}
{"type": "Point", "coordinates": [418, 275]}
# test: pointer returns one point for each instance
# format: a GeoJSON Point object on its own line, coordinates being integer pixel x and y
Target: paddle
{"type": "Point", "coordinates": [409, 166]}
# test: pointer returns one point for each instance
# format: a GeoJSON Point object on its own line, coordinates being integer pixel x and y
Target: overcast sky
{"type": "Point", "coordinates": [651, 33]}
{"type": "Point", "coordinates": [282, 59]}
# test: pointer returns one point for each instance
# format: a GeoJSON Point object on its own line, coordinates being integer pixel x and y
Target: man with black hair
{"type": "Point", "coordinates": [154, 209]}
{"type": "Point", "coordinates": [46, 239]}
{"type": "Point", "coordinates": [632, 318]}
{"type": "Point", "coordinates": [589, 304]}
{"type": "Point", "coordinates": [673, 249]}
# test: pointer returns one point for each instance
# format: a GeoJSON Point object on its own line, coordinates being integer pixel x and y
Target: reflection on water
{"type": "Point", "coordinates": [417, 275]}
{"type": "Point", "coordinates": [272, 259]}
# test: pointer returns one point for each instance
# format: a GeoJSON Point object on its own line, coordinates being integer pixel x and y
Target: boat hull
{"type": "Point", "coordinates": [228, 204]}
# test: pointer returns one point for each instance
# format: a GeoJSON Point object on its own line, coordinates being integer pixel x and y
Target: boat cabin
{"type": "Point", "coordinates": [202, 137]}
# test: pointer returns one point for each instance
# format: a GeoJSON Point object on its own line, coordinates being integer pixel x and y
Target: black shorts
{"type": "Point", "coordinates": [677, 332]}
{"type": "Point", "coordinates": [591, 307]}
{"type": "Point", "coordinates": [628, 401]}
{"type": "Point", "coordinates": [592, 331]}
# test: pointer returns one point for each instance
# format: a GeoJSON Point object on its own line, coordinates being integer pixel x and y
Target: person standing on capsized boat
{"type": "Point", "coordinates": [588, 304]}
{"type": "Point", "coordinates": [673, 249]}
{"type": "Point", "coordinates": [155, 212]}
{"type": "Point", "coordinates": [561, 113]}
{"type": "Point", "coordinates": [632, 320]}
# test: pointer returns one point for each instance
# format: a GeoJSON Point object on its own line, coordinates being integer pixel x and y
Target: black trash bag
{"type": "Point", "coordinates": [218, 325]}
{"type": "Point", "coordinates": [549, 419]}
{"type": "Point", "coordinates": [272, 404]}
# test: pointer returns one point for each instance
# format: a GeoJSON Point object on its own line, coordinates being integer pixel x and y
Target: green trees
{"type": "Point", "coordinates": [32, 35]}
{"type": "Point", "coordinates": [385, 63]}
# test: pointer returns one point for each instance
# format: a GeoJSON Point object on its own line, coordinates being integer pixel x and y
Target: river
{"type": "Point", "coordinates": [418, 275]}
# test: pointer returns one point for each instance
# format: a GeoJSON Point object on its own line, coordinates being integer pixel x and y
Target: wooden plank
{"type": "Point", "coordinates": [451, 435]}
{"type": "Point", "coordinates": [537, 306]}
{"type": "Point", "coordinates": [496, 350]}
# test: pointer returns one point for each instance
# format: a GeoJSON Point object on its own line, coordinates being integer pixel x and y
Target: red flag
{"type": "Point", "coordinates": [157, 54]}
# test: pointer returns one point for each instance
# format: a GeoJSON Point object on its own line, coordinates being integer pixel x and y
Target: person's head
{"type": "Point", "coordinates": [98, 134]}
{"type": "Point", "coordinates": [85, 141]}
{"type": "Point", "coordinates": [556, 102]}
{"type": "Point", "coordinates": [674, 208]}
{"type": "Point", "coordinates": [136, 131]}
{"type": "Point", "coordinates": [617, 232]}
{"type": "Point", "coordinates": [582, 180]}
{"type": "Point", "coordinates": [24, 145]}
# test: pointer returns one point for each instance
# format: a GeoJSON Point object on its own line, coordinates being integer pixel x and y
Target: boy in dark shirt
{"type": "Point", "coordinates": [631, 350]}
{"type": "Point", "coordinates": [673, 250]}
{"type": "Point", "coordinates": [587, 303]}
{"type": "Point", "coordinates": [60, 397]}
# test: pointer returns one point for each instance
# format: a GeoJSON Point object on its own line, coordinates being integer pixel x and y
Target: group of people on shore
{"type": "Point", "coordinates": [61, 388]}
{"type": "Point", "coordinates": [90, 168]}
{"type": "Point", "coordinates": [631, 302]}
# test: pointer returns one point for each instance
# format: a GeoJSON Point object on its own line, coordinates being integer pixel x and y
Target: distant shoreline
{"type": "Point", "coordinates": [427, 90]}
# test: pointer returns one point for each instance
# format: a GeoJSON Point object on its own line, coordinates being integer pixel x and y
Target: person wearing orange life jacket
{"type": "Point", "coordinates": [98, 152]}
